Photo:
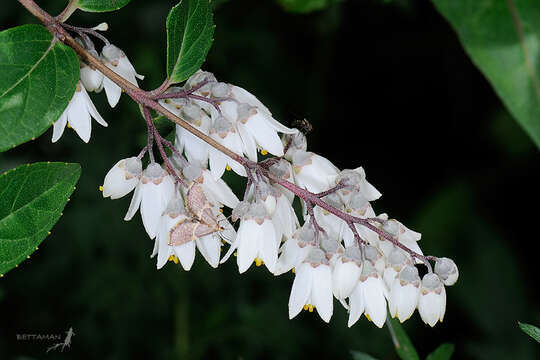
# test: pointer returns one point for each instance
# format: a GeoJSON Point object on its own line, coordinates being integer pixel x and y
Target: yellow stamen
{"type": "Point", "coordinates": [173, 258]}
{"type": "Point", "coordinates": [69, 126]}
{"type": "Point", "coordinates": [223, 242]}
{"type": "Point", "coordinates": [311, 307]}
{"type": "Point", "coordinates": [367, 316]}
{"type": "Point", "coordinates": [227, 167]}
{"type": "Point", "coordinates": [293, 270]}
{"type": "Point", "coordinates": [221, 210]}
{"type": "Point", "coordinates": [258, 261]}
{"type": "Point", "coordinates": [101, 188]}
{"type": "Point", "coordinates": [264, 152]}
{"type": "Point", "coordinates": [236, 253]}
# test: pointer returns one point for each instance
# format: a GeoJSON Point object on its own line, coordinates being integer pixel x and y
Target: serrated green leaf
{"type": "Point", "coordinates": [443, 352]}
{"type": "Point", "coordinates": [38, 76]}
{"type": "Point", "coordinates": [530, 330]}
{"type": "Point", "coordinates": [402, 343]}
{"type": "Point", "coordinates": [358, 355]}
{"type": "Point", "coordinates": [102, 5]}
{"type": "Point", "coordinates": [32, 198]}
{"type": "Point", "coordinates": [305, 6]}
{"type": "Point", "coordinates": [503, 38]}
{"type": "Point", "coordinates": [190, 28]}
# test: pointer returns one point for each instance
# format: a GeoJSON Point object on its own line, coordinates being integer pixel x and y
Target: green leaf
{"type": "Point", "coordinates": [190, 28]}
{"type": "Point", "coordinates": [502, 38]}
{"type": "Point", "coordinates": [38, 75]}
{"type": "Point", "coordinates": [358, 355]}
{"type": "Point", "coordinates": [530, 330]}
{"type": "Point", "coordinates": [101, 5]}
{"type": "Point", "coordinates": [402, 343]}
{"type": "Point", "coordinates": [32, 198]}
{"type": "Point", "coordinates": [305, 6]}
{"type": "Point", "coordinates": [443, 352]}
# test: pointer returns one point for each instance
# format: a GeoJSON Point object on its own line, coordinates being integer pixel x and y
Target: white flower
{"type": "Point", "coordinates": [122, 178]}
{"type": "Point", "coordinates": [152, 194]}
{"type": "Point", "coordinates": [404, 235]}
{"type": "Point", "coordinates": [92, 79]}
{"type": "Point", "coordinates": [312, 287]}
{"type": "Point", "coordinates": [376, 257]}
{"type": "Point", "coordinates": [78, 115]}
{"type": "Point", "coordinates": [255, 240]}
{"type": "Point", "coordinates": [226, 134]}
{"type": "Point", "coordinates": [432, 302]}
{"type": "Point", "coordinates": [116, 60]}
{"type": "Point", "coordinates": [284, 216]}
{"type": "Point", "coordinates": [447, 270]}
{"type": "Point", "coordinates": [258, 128]}
{"type": "Point", "coordinates": [346, 272]}
{"type": "Point", "coordinates": [196, 149]}
{"type": "Point", "coordinates": [396, 261]}
{"type": "Point", "coordinates": [404, 293]}
{"type": "Point", "coordinates": [369, 297]}
{"type": "Point", "coordinates": [283, 170]}
{"type": "Point", "coordinates": [295, 249]}
{"type": "Point", "coordinates": [313, 172]}
{"type": "Point", "coordinates": [355, 181]}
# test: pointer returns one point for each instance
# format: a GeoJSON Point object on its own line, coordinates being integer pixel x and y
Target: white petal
{"type": "Point", "coordinates": [249, 240]}
{"type": "Point", "coordinates": [268, 245]}
{"type": "Point", "coordinates": [301, 289]}
{"type": "Point", "coordinates": [322, 291]}
{"type": "Point", "coordinates": [375, 300]}
{"type": "Point", "coordinates": [79, 117]}
{"type": "Point", "coordinates": [210, 247]}
{"type": "Point", "coordinates": [59, 126]}
{"type": "Point", "coordinates": [220, 190]}
{"type": "Point", "coordinates": [112, 90]}
{"type": "Point", "coordinates": [250, 148]}
{"type": "Point", "coordinates": [356, 303]}
{"type": "Point", "coordinates": [264, 135]}
{"type": "Point", "coordinates": [135, 203]}
{"type": "Point", "coordinates": [345, 277]}
{"type": "Point", "coordinates": [186, 254]}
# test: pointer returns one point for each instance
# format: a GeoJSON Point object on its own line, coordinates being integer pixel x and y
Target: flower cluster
{"type": "Point", "coordinates": [80, 109]}
{"type": "Point", "coordinates": [338, 248]}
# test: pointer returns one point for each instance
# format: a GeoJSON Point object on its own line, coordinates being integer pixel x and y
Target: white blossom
{"type": "Point", "coordinates": [152, 195]}
{"type": "Point", "coordinates": [122, 178]}
{"type": "Point", "coordinates": [346, 272]}
{"type": "Point", "coordinates": [313, 172]}
{"type": "Point", "coordinates": [369, 297]}
{"type": "Point", "coordinates": [312, 287]}
{"type": "Point", "coordinates": [116, 60]}
{"type": "Point", "coordinates": [404, 293]}
{"type": "Point", "coordinates": [78, 116]}
{"type": "Point", "coordinates": [432, 302]}
{"type": "Point", "coordinates": [447, 270]}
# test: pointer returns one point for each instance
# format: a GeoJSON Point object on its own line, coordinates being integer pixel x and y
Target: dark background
{"type": "Point", "coordinates": [387, 86]}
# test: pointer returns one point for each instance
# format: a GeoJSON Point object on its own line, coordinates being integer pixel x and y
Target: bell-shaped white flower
{"type": "Point", "coordinates": [312, 287]}
{"type": "Point", "coordinates": [369, 297]}
{"type": "Point", "coordinates": [313, 172]}
{"type": "Point", "coordinates": [152, 195]}
{"type": "Point", "coordinates": [396, 261]}
{"type": "Point", "coordinates": [432, 302]}
{"type": "Point", "coordinates": [122, 178]}
{"type": "Point", "coordinates": [92, 79]}
{"type": "Point", "coordinates": [404, 293]}
{"type": "Point", "coordinates": [284, 217]}
{"type": "Point", "coordinates": [404, 235]}
{"type": "Point", "coordinates": [355, 181]}
{"type": "Point", "coordinates": [226, 134]}
{"type": "Point", "coordinates": [78, 115]}
{"type": "Point", "coordinates": [116, 60]}
{"type": "Point", "coordinates": [258, 129]}
{"type": "Point", "coordinates": [346, 272]}
{"type": "Point", "coordinates": [255, 240]}
{"type": "Point", "coordinates": [295, 249]}
{"type": "Point", "coordinates": [447, 270]}
{"type": "Point", "coordinates": [196, 149]}
{"type": "Point", "coordinates": [283, 170]}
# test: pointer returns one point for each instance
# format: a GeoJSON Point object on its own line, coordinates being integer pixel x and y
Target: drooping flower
{"type": "Point", "coordinates": [256, 238]}
{"type": "Point", "coordinates": [78, 116]}
{"type": "Point", "coordinates": [152, 195]}
{"type": "Point", "coordinates": [447, 271]}
{"type": "Point", "coordinates": [312, 287]}
{"type": "Point", "coordinates": [313, 172]}
{"type": "Point", "coordinates": [432, 302]}
{"type": "Point", "coordinates": [404, 293]}
{"type": "Point", "coordinates": [116, 60]}
{"type": "Point", "coordinates": [346, 272]}
{"type": "Point", "coordinates": [122, 178]}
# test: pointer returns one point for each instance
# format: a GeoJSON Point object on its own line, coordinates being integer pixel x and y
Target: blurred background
{"type": "Point", "coordinates": [387, 86]}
